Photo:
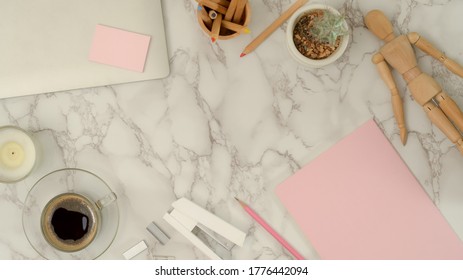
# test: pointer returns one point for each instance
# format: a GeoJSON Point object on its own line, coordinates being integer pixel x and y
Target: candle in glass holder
{"type": "Point", "coordinates": [17, 154]}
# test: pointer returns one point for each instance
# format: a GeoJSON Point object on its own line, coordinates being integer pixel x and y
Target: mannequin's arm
{"type": "Point", "coordinates": [397, 106]}
{"type": "Point", "coordinates": [426, 47]}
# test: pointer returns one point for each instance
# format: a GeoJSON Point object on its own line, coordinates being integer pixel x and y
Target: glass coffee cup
{"type": "Point", "coordinates": [71, 214]}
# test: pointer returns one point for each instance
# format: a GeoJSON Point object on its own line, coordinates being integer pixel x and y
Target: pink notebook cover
{"type": "Point", "coordinates": [358, 200]}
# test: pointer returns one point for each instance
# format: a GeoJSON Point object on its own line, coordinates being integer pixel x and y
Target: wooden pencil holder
{"type": "Point", "coordinates": [225, 33]}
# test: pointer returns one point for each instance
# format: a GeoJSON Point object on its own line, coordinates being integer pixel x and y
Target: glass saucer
{"type": "Point", "coordinates": [70, 180]}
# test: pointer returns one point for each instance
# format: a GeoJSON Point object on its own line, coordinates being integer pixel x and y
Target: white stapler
{"type": "Point", "coordinates": [187, 217]}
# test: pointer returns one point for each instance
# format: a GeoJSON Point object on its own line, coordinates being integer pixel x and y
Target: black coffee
{"type": "Point", "coordinates": [69, 224]}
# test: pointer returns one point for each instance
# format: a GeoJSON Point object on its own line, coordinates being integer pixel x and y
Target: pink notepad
{"type": "Point", "coordinates": [119, 48]}
{"type": "Point", "coordinates": [359, 200]}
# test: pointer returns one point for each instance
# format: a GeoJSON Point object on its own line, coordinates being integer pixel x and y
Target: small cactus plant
{"type": "Point", "coordinates": [318, 33]}
{"type": "Point", "coordinates": [328, 27]}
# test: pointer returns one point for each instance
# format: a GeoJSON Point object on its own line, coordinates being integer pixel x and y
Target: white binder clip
{"type": "Point", "coordinates": [191, 220]}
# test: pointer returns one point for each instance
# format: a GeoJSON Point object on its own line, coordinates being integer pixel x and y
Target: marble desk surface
{"type": "Point", "coordinates": [222, 126]}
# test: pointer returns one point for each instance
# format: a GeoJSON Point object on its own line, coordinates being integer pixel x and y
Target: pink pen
{"type": "Point", "coordinates": [270, 230]}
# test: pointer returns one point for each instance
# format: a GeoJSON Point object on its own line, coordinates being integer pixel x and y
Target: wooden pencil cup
{"type": "Point", "coordinates": [225, 33]}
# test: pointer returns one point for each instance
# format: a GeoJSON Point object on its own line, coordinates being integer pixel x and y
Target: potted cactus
{"type": "Point", "coordinates": [317, 35]}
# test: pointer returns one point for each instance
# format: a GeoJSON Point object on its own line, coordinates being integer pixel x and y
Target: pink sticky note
{"type": "Point", "coordinates": [119, 48]}
{"type": "Point", "coordinates": [359, 200]}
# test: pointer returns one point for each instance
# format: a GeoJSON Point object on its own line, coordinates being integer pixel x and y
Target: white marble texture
{"type": "Point", "coordinates": [222, 126]}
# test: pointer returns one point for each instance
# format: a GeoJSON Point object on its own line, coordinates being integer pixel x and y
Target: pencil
{"type": "Point", "coordinates": [239, 11]}
{"type": "Point", "coordinates": [214, 6]}
{"type": "Point", "coordinates": [270, 230]}
{"type": "Point", "coordinates": [216, 27]}
{"type": "Point", "coordinates": [212, 14]}
{"type": "Point", "coordinates": [204, 16]}
{"type": "Point", "coordinates": [272, 27]}
{"type": "Point", "coordinates": [231, 10]}
{"type": "Point", "coordinates": [224, 3]}
{"type": "Point", "coordinates": [235, 27]}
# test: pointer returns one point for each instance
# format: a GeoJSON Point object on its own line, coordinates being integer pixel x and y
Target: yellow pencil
{"type": "Point", "coordinates": [235, 27]}
{"type": "Point", "coordinates": [272, 27]}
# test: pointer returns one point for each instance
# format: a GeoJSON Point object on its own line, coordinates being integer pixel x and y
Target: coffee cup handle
{"type": "Point", "coordinates": [105, 201]}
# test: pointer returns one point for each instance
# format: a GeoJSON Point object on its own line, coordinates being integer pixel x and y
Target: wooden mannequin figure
{"type": "Point", "coordinates": [398, 53]}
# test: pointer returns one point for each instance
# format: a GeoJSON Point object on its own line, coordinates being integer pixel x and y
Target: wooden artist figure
{"type": "Point", "coordinates": [398, 53]}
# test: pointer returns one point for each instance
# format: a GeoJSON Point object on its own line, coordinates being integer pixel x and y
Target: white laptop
{"type": "Point", "coordinates": [45, 44]}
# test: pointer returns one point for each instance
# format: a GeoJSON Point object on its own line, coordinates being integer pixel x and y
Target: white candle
{"type": "Point", "coordinates": [17, 154]}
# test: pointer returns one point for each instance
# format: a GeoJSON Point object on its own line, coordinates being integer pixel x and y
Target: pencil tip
{"type": "Point", "coordinates": [247, 31]}
{"type": "Point", "coordinates": [213, 40]}
{"type": "Point", "coordinates": [403, 135]}
{"type": "Point", "coordinates": [240, 202]}
{"type": "Point", "coordinates": [199, 8]}
{"type": "Point", "coordinates": [242, 54]}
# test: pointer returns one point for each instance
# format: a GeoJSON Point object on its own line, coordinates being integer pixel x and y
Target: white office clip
{"type": "Point", "coordinates": [135, 250]}
{"type": "Point", "coordinates": [187, 217]}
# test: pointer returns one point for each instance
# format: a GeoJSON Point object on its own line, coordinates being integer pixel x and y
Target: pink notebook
{"type": "Point", "coordinates": [358, 200]}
